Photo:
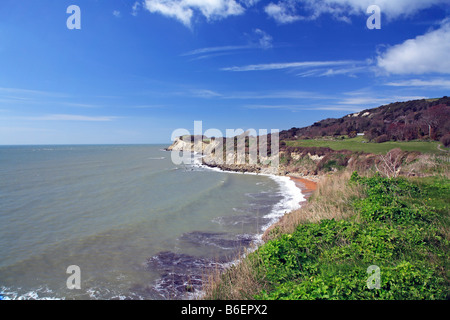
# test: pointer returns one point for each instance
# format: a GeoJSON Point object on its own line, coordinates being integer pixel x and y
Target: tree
{"type": "Point", "coordinates": [382, 138]}
{"type": "Point", "coordinates": [390, 164]}
{"type": "Point", "coordinates": [445, 140]}
{"type": "Point", "coordinates": [435, 116]}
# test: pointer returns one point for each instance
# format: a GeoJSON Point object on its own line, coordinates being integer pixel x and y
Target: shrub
{"type": "Point", "coordinates": [382, 138]}
{"type": "Point", "coordinates": [445, 140]}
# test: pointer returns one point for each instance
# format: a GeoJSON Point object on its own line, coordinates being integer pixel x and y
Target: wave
{"type": "Point", "coordinates": [292, 195]}
{"type": "Point", "coordinates": [41, 293]}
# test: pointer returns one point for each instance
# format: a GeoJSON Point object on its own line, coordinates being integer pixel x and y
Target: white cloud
{"type": "Point", "coordinates": [135, 8]}
{"type": "Point", "coordinates": [282, 94]}
{"type": "Point", "coordinates": [20, 91]}
{"type": "Point", "coordinates": [205, 93]}
{"type": "Point", "coordinates": [297, 108]}
{"type": "Point", "coordinates": [435, 83]}
{"type": "Point", "coordinates": [350, 71]}
{"type": "Point", "coordinates": [116, 13]}
{"type": "Point", "coordinates": [286, 11]}
{"type": "Point", "coordinates": [372, 101]}
{"type": "Point", "coordinates": [289, 65]}
{"type": "Point", "coordinates": [283, 12]}
{"type": "Point", "coordinates": [23, 129]}
{"type": "Point", "coordinates": [265, 40]}
{"type": "Point", "coordinates": [258, 39]}
{"type": "Point", "coordinates": [427, 53]}
{"type": "Point", "coordinates": [72, 117]}
{"type": "Point", "coordinates": [172, 9]}
{"type": "Point", "coordinates": [183, 10]}
{"type": "Point", "coordinates": [209, 50]}
{"type": "Point", "coordinates": [370, 98]}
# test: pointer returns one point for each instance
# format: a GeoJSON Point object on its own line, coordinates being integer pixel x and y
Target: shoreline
{"type": "Point", "coordinates": [306, 186]}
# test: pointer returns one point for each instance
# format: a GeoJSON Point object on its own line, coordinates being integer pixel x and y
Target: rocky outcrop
{"type": "Point", "coordinates": [189, 143]}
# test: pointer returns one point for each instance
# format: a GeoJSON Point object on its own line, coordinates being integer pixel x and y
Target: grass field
{"type": "Point", "coordinates": [360, 144]}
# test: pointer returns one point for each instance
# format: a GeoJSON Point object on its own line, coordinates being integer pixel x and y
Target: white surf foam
{"type": "Point", "coordinates": [292, 195]}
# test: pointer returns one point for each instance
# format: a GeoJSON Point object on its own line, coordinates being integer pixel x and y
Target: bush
{"type": "Point", "coordinates": [400, 226]}
{"type": "Point", "coordinates": [382, 138]}
{"type": "Point", "coordinates": [396, 232]}
{"type": "Point", "coordinates": [445, 140]}
{"type": "Point", "coordinates": [352, 134]}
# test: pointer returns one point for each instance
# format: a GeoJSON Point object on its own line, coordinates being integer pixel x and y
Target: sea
{"type": "Point", "coordinates": [134, 224]}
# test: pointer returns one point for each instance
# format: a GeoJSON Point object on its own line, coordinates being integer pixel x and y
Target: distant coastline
{"type": "Point", "coordinates": [307, 184]}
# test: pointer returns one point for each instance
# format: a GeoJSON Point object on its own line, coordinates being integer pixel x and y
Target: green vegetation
{"type": "Point", "coordinates": [360, 144]}
{"type": "Point", "coordinates": [399, 230]}
{"type": "Point", "coordinates": [399, 225]}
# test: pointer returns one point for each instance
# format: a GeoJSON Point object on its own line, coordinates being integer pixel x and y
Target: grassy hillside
{"type": "Point", "coordinates": [399, 121]}
{"type": "Point", "coordinates": [361, 144]}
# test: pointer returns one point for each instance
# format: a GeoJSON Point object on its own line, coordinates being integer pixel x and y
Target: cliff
{"type": "Point", "coordinates": [307, 162]}
{"type": "Point", "coordinates": [216, 153]}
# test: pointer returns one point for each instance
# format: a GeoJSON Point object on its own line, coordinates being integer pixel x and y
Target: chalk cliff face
{"type": "Point", "coordinates": [178, 145]}
{"type": "Point", "coordinates": [215, 154]}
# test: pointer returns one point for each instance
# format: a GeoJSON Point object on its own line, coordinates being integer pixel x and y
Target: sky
{"type": "Point", "coordinates": [119, 71]}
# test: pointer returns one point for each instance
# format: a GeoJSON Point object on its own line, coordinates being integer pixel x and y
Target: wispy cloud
{"type": "Point", "coordinates": [435, 83]}
{"type": "Point", "coordinates": [309, 107]}
{"type": "Point", "coordinates": [289, 11]}
{"type": "Point", "coordinates": [253, 95]}
{"type": "Point", "coordinates": [148, 106]}
{"type": "Point", "coordinates": [204, 93]}
{"type": "Point", "coordinates": [328, 72]}
{"type": "Point", "coordinates": [371, 98]}
{"type": "Point", "coordinates": [135, 8]}
{"type": "Point", "coordinates": [23, 129]}
{"type": "Point", "coordinates": [72, 117]}
{"type": "Point", "coordinates": [202, 51]}
{"type": "Point", "coordinates": [344, 102]}
{"type": "Point", "coordinates": [257, 39]}
{"type": "Point", "coordinates": [80, 105]}
{"type": "Point", "coordinates": [281, 94]}
{"type": "Point", "coordinates": [27, 92]}
{"type": "Point", "coordinates": [287, 65]}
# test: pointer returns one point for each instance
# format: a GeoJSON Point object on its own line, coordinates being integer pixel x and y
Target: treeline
{"type": "Point", "coordinates": [400, 121]}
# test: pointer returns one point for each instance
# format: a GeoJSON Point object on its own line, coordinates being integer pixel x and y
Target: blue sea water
{"type": "Point", "coordinates": [137, 225]}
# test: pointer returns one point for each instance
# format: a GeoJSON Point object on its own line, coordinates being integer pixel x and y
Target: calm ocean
{"type": "Point", "coordinates": [138, 226]}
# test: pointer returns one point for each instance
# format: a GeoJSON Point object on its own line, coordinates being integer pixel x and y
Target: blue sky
{"type": "Point", "coordinates": [138, 70]}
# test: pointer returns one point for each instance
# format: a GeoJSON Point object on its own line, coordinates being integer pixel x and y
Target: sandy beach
{"type": "Point", "coordinates": [306, 186]}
